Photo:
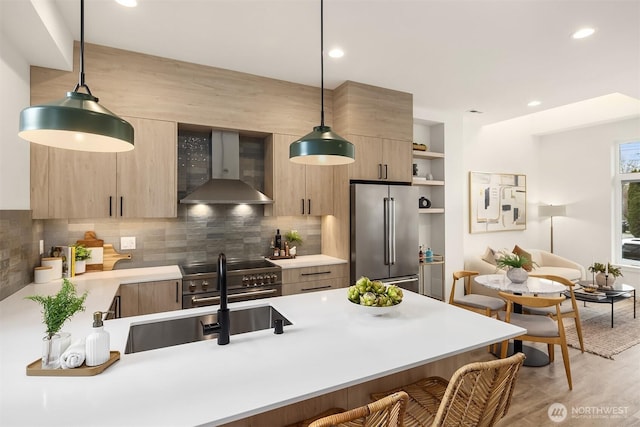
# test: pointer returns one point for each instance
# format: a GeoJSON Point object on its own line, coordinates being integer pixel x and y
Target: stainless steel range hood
{"type": "Point", "coordinates": [225, 186]}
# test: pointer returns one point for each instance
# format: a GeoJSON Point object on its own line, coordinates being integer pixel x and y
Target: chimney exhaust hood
{"type": "Point", "coordinates": [225, 186]}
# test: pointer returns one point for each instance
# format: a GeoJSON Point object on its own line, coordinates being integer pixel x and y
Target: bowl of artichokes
{"type": "Point", "coordinates": [374, 296]}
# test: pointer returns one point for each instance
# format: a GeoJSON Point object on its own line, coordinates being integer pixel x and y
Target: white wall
{"type": "Point", "coordinates": [505, 147]}
{"type": "Point", "coordinates": [14, 151]}
{"type": "Point", "coordinates": [577, 170]}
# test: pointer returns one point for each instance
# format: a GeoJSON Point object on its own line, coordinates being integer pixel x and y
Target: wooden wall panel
{"type": "Point", "coordinates": [138, 85]}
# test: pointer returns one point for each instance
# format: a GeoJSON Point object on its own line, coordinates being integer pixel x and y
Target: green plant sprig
{"type": "Point", "coordinates": [82, 253]}
{"type": "Point", "coordinates": [59, 308]}
{"type": "Point", "coordinates": [507, 261]}
{"type": "Point", "coordinates": [598, 267]}
{"type": "Point", "coordinates": [293, 237]}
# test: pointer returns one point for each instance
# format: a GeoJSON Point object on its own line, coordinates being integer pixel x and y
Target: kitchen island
{"type": "Point", "coordinates": [331, 346]}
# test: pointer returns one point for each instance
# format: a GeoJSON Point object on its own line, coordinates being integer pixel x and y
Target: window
{"type": "Point", "coordinates": [628, 187]}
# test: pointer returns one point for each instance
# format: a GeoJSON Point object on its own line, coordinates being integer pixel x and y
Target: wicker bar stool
{"type": "Point", "coordinates": [478, 394]}
{"type": "Point", "coordinates": [386, 412]}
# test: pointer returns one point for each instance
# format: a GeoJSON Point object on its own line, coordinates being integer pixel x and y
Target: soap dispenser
{"type": "Point", "coordinates": [97, 343]}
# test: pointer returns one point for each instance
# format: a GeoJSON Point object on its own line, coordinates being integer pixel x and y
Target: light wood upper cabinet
{"type": "Point", "coordinates": [81, 184]}
{"type": "Point", "coordinates": [381, 159]}
{"type": "Point", "coordinates": [397, 156]}
{"type": "Point", "coordinates": [296, 189]}
{"type": "Point", "coordinates": [147, 176]}
{"type": "Point", "coordinates": [141, 183]}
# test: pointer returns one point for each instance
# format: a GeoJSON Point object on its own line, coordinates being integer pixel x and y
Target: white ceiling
{"type": "Point", "coordinates": [452, 55]}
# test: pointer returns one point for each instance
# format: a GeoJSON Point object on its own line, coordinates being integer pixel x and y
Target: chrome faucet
{"type": "Point", "coordinates": [222, 326]}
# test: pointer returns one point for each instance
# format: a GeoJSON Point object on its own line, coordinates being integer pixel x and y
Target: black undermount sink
{"type": "Point", "coordinates": [166, 333]}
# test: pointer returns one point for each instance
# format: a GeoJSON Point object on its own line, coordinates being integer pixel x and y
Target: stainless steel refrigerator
{"type": "Point", "coordinates": [384, 234]}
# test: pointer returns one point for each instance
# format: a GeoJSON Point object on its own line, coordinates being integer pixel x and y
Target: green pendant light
{"type": "Point", "coordinates": [76, 122]}
{"type": "Point", "coordinates": [322, 146]}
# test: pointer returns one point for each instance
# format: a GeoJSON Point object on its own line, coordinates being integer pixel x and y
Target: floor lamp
{"type": "Point", "coordinates": [551, 211]}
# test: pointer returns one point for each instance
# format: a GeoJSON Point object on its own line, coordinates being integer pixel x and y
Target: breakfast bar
{"type": "Point", "coordinates": [331, 346]}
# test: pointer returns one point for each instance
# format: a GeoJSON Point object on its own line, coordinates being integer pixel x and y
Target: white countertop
{"type": "Point", "coordinates": [203, 383]}
{"type": "Point", "coordinates": [307, 261]}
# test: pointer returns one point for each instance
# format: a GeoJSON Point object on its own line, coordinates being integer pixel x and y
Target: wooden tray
{"type": "Point", "coordinates": [35, 368]}
{"type": "Point", "coordinates": [282, 257]}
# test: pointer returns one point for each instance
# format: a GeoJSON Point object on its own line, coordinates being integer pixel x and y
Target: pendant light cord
{"type": "Point", "coordinates": [321, 64]}
{"type": "Point", "coordinates": [81, 82]}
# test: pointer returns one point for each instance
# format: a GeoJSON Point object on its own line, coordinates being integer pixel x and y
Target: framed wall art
{"type": "Point", "coordinates": [497, 202]}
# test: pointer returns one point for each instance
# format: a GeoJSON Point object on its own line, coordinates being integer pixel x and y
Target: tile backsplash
{"type": "Point", "coordinates": [198, 234]}
{"type": "Point", "coordinates": [19, 246]}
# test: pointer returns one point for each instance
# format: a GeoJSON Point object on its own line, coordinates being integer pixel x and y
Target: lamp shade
{"type": "Point", "coordinates": [322, 147]}
{"type": "Point", "coordinates": [552, 210]}
{"type": "Point", "coordinates": [76, 122]}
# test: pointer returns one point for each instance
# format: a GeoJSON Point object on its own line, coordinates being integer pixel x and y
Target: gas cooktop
{"type": "Point", "coordinates": [232, 265]}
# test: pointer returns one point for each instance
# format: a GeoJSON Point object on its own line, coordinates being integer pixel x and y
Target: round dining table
{"type": "Point", "coordinates": [532, 286]}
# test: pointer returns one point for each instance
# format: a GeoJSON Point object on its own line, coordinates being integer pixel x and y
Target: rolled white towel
{"type": "Point", "coordinates": [74, 356]}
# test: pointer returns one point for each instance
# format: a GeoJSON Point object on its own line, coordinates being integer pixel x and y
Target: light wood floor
{"type": "Point", "coordinates": [599, 384]}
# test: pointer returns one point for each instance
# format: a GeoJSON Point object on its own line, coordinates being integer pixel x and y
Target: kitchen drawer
{"type": "Point", "coordinates": [314, 286]}
{"type": "Point", "coordinates": [312, 274]}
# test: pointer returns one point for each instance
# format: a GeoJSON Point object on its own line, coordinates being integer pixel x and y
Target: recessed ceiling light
{"type": "Point", "coordinates": [336, 53]}
{"type": "Point", "coordinates": [474, 111]}
{"type": "Point", "coordinates": [534, 103]}
{"type": "Point", "coordinates": [583, 32]}
{"type": "Point", "coordinates": [127, 3]}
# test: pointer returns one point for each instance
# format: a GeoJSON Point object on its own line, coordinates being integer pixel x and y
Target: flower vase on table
{"type": "Point", "coordinates": [517, 275]}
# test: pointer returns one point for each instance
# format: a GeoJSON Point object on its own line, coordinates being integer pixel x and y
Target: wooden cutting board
{"type": "Point", "coordinates": [110, 257]}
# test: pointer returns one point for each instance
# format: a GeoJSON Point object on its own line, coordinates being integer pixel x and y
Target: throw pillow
{"type": "Point", "coordinates": [489, 256]}
{"type": "Point", "coordinates": [521, 252]}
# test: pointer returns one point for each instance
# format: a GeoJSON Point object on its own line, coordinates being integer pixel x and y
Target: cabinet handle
{"type": "Point", "coordinates": [379, 170]}
{"type": "Point", "coordinates": [386, 171]}
{"type": "Point", "coordinates": [309, 206]}
{"type": "Point", "coordinates": [177, 291]}
{"type": "Point", "coordinates": [317, 288]}
{"type": "Point", "coordinates": [110, 205]}
{"type": "Point", "coordinates": [117, 307]}
{"type": "Point", "coordinates": [316, 273]}
{"type": "Point", "coordinates": [120, 205]}
{"type": "Point", "coordinates": [302, 207]}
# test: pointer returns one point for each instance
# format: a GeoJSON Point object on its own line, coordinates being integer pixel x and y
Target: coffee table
{"type": "Point", "coordinates": [620, 292]}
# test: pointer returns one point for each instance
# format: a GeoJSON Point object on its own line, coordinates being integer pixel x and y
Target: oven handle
{"type": "Point", "coordinates": [237, 297]}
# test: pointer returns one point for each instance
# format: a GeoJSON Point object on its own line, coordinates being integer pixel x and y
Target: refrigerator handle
{"type": "Point", "coordinates": [393, 231]}
{"type": "Point", "coordinates": [387, 237]}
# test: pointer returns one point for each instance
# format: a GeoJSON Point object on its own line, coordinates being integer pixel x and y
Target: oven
{"type": "Point", "coordinates": [246, 280]}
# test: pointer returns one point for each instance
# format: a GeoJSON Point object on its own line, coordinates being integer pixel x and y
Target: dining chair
{"type": "Point", "coordinates": [568, 310]}
{"type": "Point", "coordinates": [483, 304]}
{"type": "Point", "coordinates": [478, 394]}
{"type": "Point", "coordinates": [385, 412]}
{"type": "Point", "coordinates": [543, 329]}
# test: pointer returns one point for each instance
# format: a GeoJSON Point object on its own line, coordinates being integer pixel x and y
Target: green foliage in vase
{"type": "Point", "coordinates": [82, 253]}
{"type": "Point", "coordinates": [507, 261]}
{"type": "Point", "coordinates": [600, 268]}
{"type": "Point", "coordinates": [59, 308]}
{"type": "Point", "coordinates": [293, 237]}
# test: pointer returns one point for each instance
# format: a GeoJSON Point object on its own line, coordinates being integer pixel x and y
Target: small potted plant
{"type": "Point", "coordinates": [605, 274]}
{"type": "Point", "coordinates": [82, 255]}
{"type": "Point", "coordinates": [514, 264]}
{"type": "Point", "coordinates": [56, 310]}
{"type": "Point", "coordinates": [293, 237]}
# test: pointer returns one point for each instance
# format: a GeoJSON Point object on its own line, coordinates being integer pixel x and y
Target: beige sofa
{"type": "Point", "coordinates": [547, 263]}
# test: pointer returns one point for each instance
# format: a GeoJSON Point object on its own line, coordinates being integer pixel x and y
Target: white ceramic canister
{"type": "Point", "coordinates": [42, 274]}
{"type": "Point", "coordinates": [56, 264]}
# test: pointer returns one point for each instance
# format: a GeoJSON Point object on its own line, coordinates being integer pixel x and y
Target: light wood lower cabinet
{"type": "Point", "coordinates": [150, 297]}
{"type": "Point", "coordinates": [311, 279]}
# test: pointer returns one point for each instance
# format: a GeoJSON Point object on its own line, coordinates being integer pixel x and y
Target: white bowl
{"type": "Point", "coordinates": [376, 311]}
